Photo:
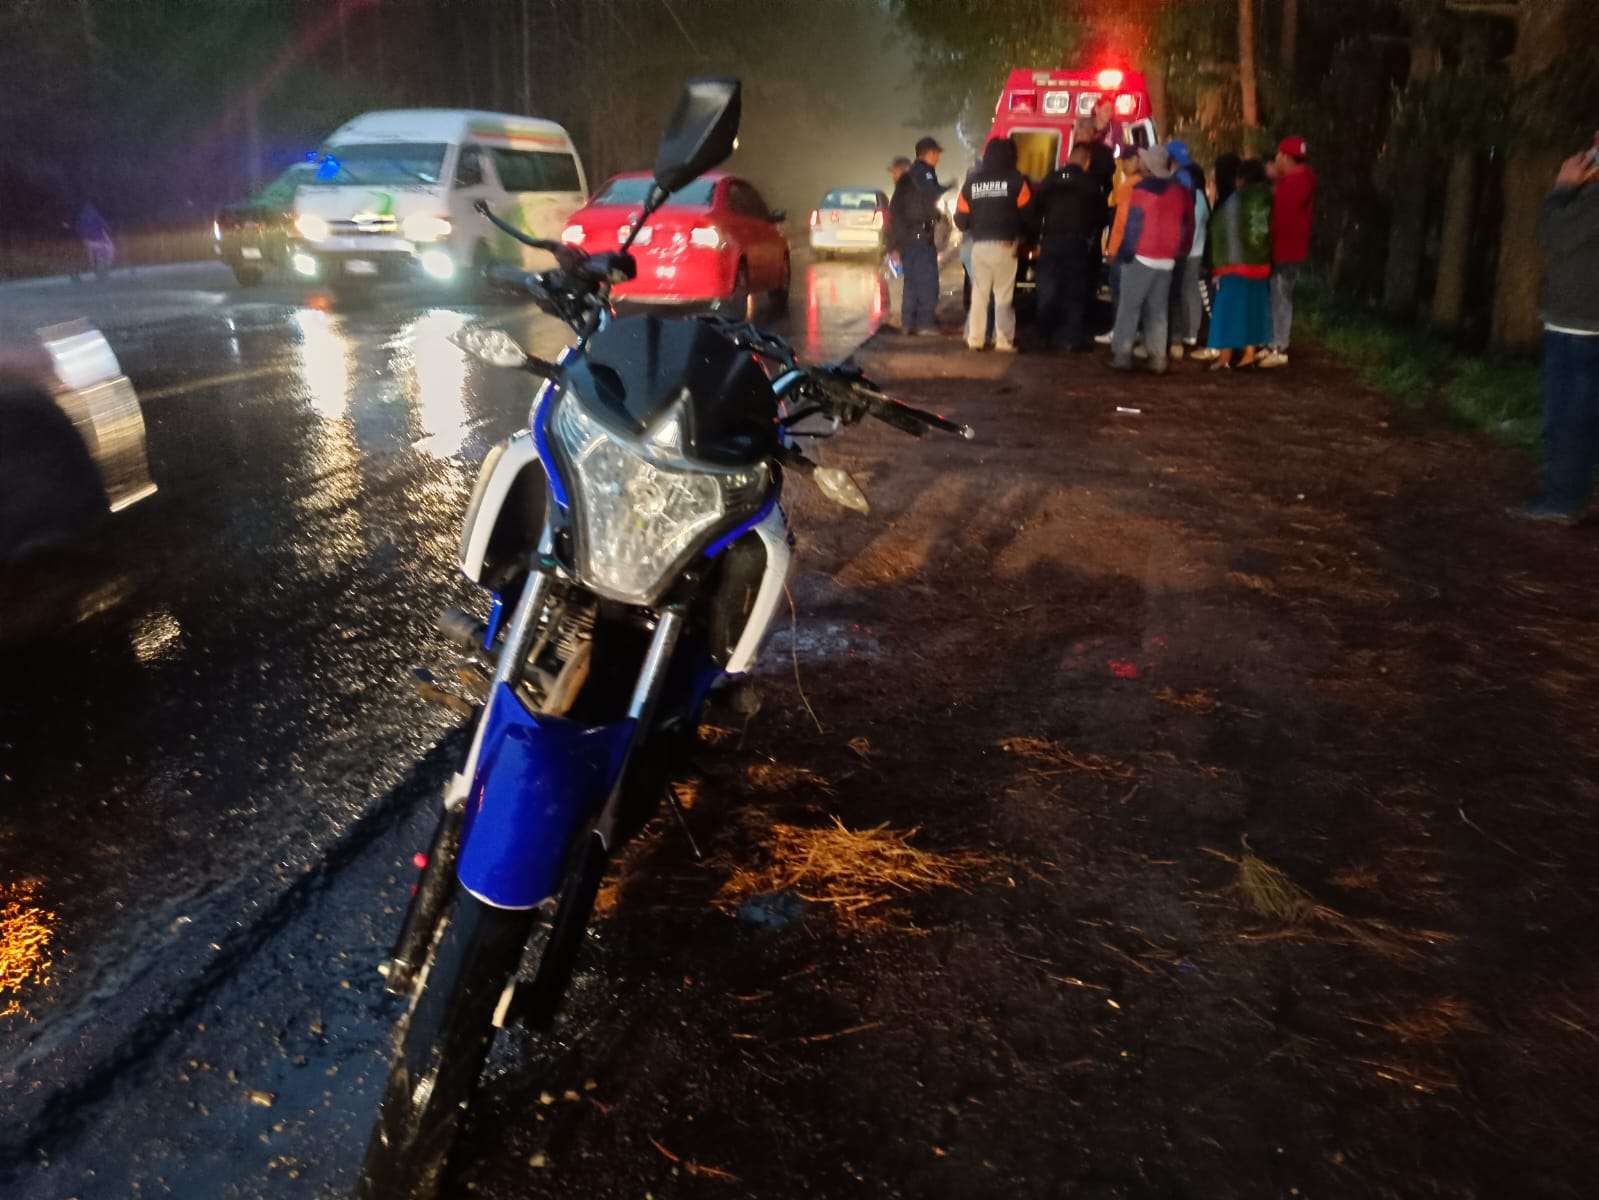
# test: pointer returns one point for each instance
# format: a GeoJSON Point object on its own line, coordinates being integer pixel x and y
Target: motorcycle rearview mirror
{"type": "Point", "coordinates": [493, 346]}
{"type": "Point", "coordinates": [702, 133]}
{"type": "Point", "coordinates": [840, 487]}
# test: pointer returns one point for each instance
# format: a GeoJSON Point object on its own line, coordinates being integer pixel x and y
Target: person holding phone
{"type": "Point", "coordinates": [1568, 230]}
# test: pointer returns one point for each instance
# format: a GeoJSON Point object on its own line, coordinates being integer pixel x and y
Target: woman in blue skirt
{"type": "Point", "coordinates": [1240, 250]}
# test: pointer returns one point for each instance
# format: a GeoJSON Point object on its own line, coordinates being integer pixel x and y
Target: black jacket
{"type": "Point", "coordinates": [1069, 206]}
{"type": "Point", "coordinates": [913, 208]}
{"type": "Point", "coordinates": [1568, 228]}
{"type": "Point", "coordinates": [994, 199]}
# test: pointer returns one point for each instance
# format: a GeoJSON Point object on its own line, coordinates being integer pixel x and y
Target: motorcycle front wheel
{"type": "Point", "coordinates": [442, 1045]}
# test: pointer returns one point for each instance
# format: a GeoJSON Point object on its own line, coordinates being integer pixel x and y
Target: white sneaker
{"type": "Point", "coordinates": [1102, 339]}
{"type": "Point", "coordinates": [1272, 359]}
{"type": "Point", "coordinates": [1139, 351]}
{"type": "Point", "coordinates": [1004, 348]}
{"type": "Point", "coordinates": [1204, 354]}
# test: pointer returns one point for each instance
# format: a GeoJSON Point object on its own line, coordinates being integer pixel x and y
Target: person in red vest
{"type": "Point", "coordinates": [1292, 207]}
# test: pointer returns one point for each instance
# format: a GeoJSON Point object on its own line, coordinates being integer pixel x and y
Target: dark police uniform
{"type": "Point", "coordinates": [914, 214]}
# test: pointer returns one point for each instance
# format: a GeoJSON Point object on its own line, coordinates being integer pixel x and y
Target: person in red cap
{"type": "Point", "coordinates": [1293, 203]}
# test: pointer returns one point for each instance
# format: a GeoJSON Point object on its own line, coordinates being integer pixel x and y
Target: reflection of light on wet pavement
{"type": "Point", "coordinates": [324, 361]}
{"type": "Point", "coordinates": [155, 636]}
{"type": "Point", "coordinates": [26, 929]}
{"type": "Point", "coordinates": [843, 307]}
{"type": "Point", "coordinates": [331, 528]}
{"type": "Point", "coordinates": [440, 368]}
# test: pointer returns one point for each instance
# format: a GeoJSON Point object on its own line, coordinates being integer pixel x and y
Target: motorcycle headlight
{"type": "Point", "coordinates": [639, 515]}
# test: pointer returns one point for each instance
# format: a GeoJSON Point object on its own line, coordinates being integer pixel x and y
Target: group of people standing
{"type": "Point", "coordinates": [1179, 246]}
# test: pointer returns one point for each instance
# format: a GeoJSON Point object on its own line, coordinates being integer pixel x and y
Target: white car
{"type": "Point", "coordinates": [850, 221]}
{"type": "Point", "coordinates": [392, 195]}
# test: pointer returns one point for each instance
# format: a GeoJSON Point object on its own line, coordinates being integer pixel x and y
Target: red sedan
{"type": "Point", "coordinates": [715, 240]}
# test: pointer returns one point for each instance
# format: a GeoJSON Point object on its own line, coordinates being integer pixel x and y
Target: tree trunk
{"type": "Point", "coordinates": [252, 139]}
{"type": "Point", "coordinates": [527, 63]}
{"type": "Point", "coordinates": [376, 26]}
{"type": "Point", "coordinates": [1155, 78]}
{"type": "Point", "coordinates": [1454, 253]}
{"type": "Point", "coordinates": [1407, 235]}
{"type": "Point", "coordinates": [342, 16]}
{"type": "Point", "coordinates": [1544, 28]}
{"type": "Point", "coordinates": [1289, 55]}
{"type": "Point", "coordinates": [1246, 70]}
{"type": "Point", "coordinates": [492, 45]}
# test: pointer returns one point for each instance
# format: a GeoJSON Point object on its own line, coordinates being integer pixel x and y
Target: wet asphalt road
{"type": "Point", "coordinates": [213, 761]}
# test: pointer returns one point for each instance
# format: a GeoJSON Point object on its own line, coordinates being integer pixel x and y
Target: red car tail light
{"type": "Point", "coordinates": [834, 216]}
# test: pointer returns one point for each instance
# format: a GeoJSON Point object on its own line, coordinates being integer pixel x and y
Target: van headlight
{"type": "Point", "coordinates": [424, 227]}
{"type": "Point", "coordinates": [638, 514]}
{"type": "Point", "coordinates": [311, 227]}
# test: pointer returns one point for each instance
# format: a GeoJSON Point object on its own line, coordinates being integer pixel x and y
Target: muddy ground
{"type": "Point", "coordinates": [1268, 630]}
{"type": "Point", "coordinates": [1255, 746]}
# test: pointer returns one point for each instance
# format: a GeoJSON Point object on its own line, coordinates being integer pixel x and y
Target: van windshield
{"type": "Point", "coordinates": [386, 163]}
{"type": "Point", "coordinates": [636, 190]}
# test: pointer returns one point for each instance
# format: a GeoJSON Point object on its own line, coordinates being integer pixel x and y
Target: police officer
{"type": "Point", "coordinates": [913, 219]}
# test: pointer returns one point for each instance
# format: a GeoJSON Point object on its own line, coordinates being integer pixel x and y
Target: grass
{"type": "Point", "coordinates": [1500, 396]}
{"type": "Point", "coordinates": [1268, 892]}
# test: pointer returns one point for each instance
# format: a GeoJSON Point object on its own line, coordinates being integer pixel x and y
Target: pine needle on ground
{"type": "Point", "coordinates": [850, 871]}
{"type": "Point", "coordinates": [1272, 894]}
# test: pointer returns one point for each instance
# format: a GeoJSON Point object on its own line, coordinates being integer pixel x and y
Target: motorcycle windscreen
{"type": "Point", "coordinates": [538, 780]}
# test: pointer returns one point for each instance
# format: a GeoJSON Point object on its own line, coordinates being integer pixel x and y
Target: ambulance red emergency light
{"type": "Point", "coordinates": [1038, 109]}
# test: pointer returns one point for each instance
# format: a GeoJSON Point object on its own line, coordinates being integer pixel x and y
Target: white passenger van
{"type": "Point", "coordinates": [392, 194]}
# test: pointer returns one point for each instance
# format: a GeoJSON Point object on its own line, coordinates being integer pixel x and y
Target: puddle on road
{"type": "Point", "coordinates": [817, 641]}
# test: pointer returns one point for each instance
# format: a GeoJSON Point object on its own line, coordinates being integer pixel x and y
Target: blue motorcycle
{"type": "Point", "coordinates": [636, 550]}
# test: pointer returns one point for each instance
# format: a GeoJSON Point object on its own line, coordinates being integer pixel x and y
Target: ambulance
{"type": "Point", "coordinates": [1038, 109]}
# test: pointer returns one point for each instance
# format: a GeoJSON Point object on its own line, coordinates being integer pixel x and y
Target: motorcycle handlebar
{"type": "Point", "coordinates": [560, 249]}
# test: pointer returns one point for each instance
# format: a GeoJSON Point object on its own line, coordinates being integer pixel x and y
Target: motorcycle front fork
{"type": "Point", "coordinates": [436, 884]}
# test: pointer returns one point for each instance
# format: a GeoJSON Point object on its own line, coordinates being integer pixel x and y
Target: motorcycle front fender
{"type": "Point", "coordinates": [506, 512]}
{"type": "Point", "coordinates": [538, 780]}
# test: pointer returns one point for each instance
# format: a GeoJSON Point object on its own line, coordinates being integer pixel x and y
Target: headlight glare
{"type": "Point", "coordinates": [424, 227]}
{"type": "Point", "coordinates": [312, 227]}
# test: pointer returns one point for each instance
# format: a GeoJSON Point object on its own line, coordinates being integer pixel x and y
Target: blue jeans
{"type": "Point", "coordinates": [1570, 418]}
{"type": "Point", "coordinates": [920, 260]}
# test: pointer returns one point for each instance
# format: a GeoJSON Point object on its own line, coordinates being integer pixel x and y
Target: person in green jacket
{"type": "Point", "coordinates": [1240, 251]}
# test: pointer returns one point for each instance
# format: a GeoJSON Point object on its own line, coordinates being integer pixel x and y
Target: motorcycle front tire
{"type": "Point", "coordinates": [442, 1045]}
